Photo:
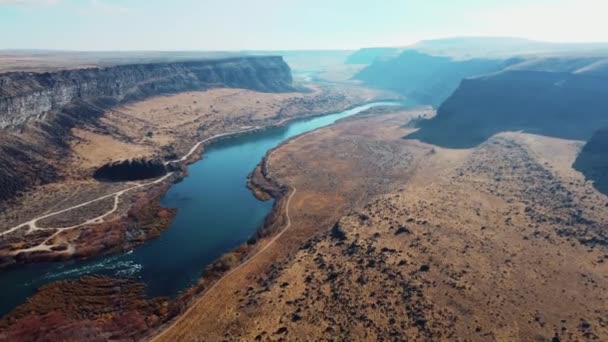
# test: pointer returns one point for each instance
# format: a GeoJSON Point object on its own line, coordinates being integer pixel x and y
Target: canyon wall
{"type": "Point", "coordinates": [25, 96]}
{"type": "Point", "coordinates": [592, 161]}
{"type": "Point", "coordinates": [38, 110]}
{"type": "Point", "coordinates": [566, 98]}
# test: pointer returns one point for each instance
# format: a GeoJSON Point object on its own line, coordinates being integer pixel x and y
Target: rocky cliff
{"type": "Point", "coordinates": [37, 110]}
{"type": "Point", "coordinates": [557, 97]}
{"type": "Point", "coordinates": [26, 96]}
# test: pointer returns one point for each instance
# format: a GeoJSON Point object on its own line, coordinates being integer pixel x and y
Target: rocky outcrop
{"type": "Point", "coordinates": [131, 170]}
{"type": "Point", "coordinates": [37, 110]}
{"type": "Point", "coordinates": [566, 104]}
{"type": "Point", "coordinates": [592, 161]}
{"type": "Point", "coordinates": [26, 96]}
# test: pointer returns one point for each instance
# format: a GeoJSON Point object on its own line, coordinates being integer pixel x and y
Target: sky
{"type": "Point", "coordinates": [288, 24]}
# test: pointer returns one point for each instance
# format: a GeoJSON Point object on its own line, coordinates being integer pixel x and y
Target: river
{"type": "Point", "coordinates": [216, 213]}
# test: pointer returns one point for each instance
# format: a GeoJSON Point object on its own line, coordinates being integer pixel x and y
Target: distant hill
{"type": "Point", "coordinates": [422, 77]}
{"type": "Point", "coordinates": [593, 160]}
{"type": "Point", "coordinates": [369, 55]}
{"type": "Point", "coordinates": [565, 97]}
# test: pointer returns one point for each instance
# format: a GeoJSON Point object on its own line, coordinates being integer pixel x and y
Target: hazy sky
{"type": "Point", "coordinates": [287, 24]}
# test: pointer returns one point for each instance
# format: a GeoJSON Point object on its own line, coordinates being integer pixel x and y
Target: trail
{"type": "Point", "coordinates": [32, 224]}
{"type": "Point", "coordinates": [245, 263]}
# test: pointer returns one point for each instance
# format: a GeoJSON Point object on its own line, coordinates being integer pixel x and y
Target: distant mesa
{"type": "Point", "coordinates": [131, 170]}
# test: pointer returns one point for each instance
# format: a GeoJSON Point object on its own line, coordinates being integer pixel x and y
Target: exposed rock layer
{"type": "Point", "coordinates": [27, 96]}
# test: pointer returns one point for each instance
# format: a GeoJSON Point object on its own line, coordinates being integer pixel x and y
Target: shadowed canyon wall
{"type": "Point", "coordinates": [593, 160]}
{"type": "Point", "coordinates": [571, 105]}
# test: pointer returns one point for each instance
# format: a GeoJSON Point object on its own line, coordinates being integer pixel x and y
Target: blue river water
{"type": "Point", "coordinates": [216, 213]}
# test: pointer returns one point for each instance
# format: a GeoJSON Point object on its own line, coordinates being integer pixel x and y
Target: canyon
{"type": "Point", "coordinates": [474, 208]}
{"type": "Point", "coordinates": [471, 222]}
{"type": "Point", "coordinates": [88, 214]}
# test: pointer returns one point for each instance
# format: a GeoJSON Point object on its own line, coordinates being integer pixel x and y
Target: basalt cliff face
{"type": "Point", "coordinates": [26, 96]}
{"type": "Point", "coordinates": [37, 110]}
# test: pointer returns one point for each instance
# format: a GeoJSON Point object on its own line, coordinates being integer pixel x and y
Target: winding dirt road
{"type": "Point", "coordinates": [32, 224]}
